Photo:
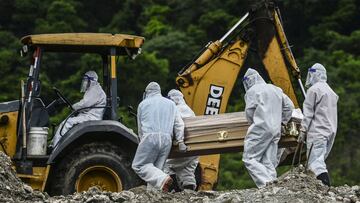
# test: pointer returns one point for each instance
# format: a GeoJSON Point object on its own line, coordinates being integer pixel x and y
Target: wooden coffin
{"type": "Point", "coordinates": [215, 134]}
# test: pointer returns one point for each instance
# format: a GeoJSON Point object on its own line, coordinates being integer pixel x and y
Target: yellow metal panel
{"type": "Point", "coordinates": [46, 175]}
{"type": "Point", "coordinates": [209, 171]}
{"type": "Point", "coordinates": [221, 71]}
{"type": "Point", "coordinates": [285, 44]}
{"type": "Point", "coordinates": [8, 136]}
{"type": "Point", "coordinates": [113, 67]}
{"type": "Point", "coordinates": [277, 70]}
{"type": "Point", "coordinates": [38, 179]}
{"type": "Point", "coordinates": [85, 39]}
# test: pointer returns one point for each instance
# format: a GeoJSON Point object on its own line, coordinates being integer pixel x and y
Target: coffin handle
{"type": "Point", "coordinates": [222, 135]}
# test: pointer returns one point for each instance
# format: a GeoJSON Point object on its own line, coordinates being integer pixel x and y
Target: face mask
{"type": "Point", "coordinates": [309, 77]}
{"type": "Point", "coordinates": [85, 84]}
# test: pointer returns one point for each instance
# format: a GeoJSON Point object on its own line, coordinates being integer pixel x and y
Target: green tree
{"type": "Point", "coordinates": [61, 16]}
{"type": "Point", "coordinates": [156, 23]}
{"type": "Point", "coordinates": [134, 75]}
{"type": "Point", "coordinates": [12, 69]}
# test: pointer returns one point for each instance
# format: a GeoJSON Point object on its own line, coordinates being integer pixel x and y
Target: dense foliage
{"type": "Point", "coordinates": [325, 31]}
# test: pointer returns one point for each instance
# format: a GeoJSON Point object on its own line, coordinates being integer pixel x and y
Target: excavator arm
{"type": "Point", "coordinates": [208, 81]}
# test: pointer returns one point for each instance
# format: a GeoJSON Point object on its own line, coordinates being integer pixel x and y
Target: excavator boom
{"type": "Point", "coordinates": [208, 81]}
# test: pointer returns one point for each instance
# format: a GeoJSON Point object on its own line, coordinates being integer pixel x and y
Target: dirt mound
{"type": "Point", "coordinates": [11, 187]}
{"type": "Point", "coordinates": [295, 186]}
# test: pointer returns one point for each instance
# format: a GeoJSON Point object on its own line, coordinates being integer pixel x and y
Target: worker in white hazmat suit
{"type": "Point", "coordinates": [320, 120]}
{"type": "Point", "coordinates": [94, 96]}
{"type": "Point", "coordinates": [158, 120]}
{"type": "Point", "coordinates": [266, 108]}
{"type": "Point", "coordinates": [183, 168]}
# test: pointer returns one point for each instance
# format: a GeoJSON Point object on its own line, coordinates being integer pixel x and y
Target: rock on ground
{"type": "Point", "coordinates": [294, 186]}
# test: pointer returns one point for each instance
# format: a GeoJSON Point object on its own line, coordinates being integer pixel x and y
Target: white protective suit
{"type": "Point", "coordinates": [158, 120]}
{"type": "Point", "coordinates": [185, 167]}
{"type": "Point", "coordinates": [266, 108]}
{"type": "Point", "coordinates": [94, 96]}
{"type": "Point", "coordinates": [320, 118]}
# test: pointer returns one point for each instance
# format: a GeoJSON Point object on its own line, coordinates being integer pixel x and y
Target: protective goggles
{"type": "Point", "coordinates": [86, 77]}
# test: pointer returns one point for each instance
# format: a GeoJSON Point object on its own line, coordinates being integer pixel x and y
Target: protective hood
{"type": "Point", "coordinates": [153, 88]}
{"type": "Point", "coordinates": [317, 73]}
{"type": "Point", "coordinates": [251, 78]}
{"type": "Point", "coordinates": [90, 78]}
{"type": "Point", "coordinates": [176, 96]}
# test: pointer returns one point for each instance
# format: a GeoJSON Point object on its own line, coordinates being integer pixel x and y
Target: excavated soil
{"type": "Point", "coordinates": [295, 186]}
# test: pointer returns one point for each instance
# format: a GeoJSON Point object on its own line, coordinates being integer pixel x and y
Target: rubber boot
{"type": "Point", "coordinates": [175, 185]}
{"type": "Point", "coordinates": [325, 179]}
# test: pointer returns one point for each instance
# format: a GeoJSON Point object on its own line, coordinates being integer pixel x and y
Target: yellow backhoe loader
{"type": "Point", "coordinates": [103, 158]}
{"type": "Point", "coordinates": [92, 153]}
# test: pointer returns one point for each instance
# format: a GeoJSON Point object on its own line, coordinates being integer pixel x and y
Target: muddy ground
{"type": "Point", "coordinates": [294, 186]}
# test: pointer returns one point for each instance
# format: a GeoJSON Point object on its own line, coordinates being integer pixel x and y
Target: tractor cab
{"type": "Point", "coordinates": [106, 45]}
{"type": "Point", "coordinates": [31, 116]}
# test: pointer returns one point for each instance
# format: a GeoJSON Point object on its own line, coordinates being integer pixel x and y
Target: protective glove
{"type": "Point", "coordinates": [182, 147]}
{"type": "Point", "coordinates": [302, 136]}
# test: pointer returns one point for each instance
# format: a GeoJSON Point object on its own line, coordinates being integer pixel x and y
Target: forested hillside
{"type": "Point", "coordinates": [324, 31]}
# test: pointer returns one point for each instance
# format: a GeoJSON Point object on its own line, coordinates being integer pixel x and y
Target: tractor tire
{"type": "Point", "coordinates": [95, 164]}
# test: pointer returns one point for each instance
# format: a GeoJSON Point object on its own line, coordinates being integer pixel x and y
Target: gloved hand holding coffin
{"type": "Point", "coordinates": [182, 147]}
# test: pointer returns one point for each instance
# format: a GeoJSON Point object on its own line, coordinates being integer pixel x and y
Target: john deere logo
{"type": "Point", "coordinates": [213, 102]}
